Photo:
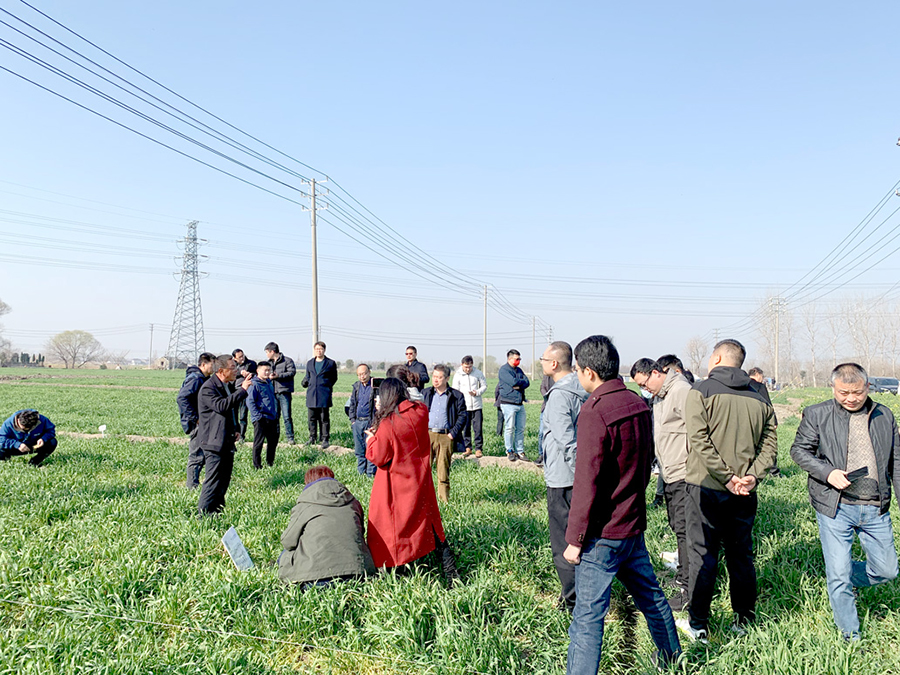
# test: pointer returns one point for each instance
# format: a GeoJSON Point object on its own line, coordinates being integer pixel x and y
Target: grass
{"type": "Point", "coordinates": [106, 527]}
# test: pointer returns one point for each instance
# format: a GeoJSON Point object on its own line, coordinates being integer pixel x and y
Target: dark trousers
{"type": "Point", "coordinates": [660, 484]}
{"type": "Point", "coordinates": [40, 454]}
{"type": "Point", "coordinates": [242, 418]}
{"type": "Point", "coordinates": [265, 430]}
{"type": "Point", "coordinates": [284, 411]}
{"type": "Point", "coordinates": [219, 466]}
{"type": "Point", "coordinates": [720, 519]}
{"type": "Point", "coordinates": [195, 461]}
{"type": "Point", "coordinates": [472, 431]}
{"type": "Point", "coordinates": [501, 423]}
{"type": "Point", "coordinates": [558, 502]}
{"type": "Point", "coordinates": [319, 425]}
{"type": "Point", "coordinates": [676, 505]}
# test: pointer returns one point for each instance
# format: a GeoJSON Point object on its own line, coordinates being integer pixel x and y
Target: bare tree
{"type": "Point", "coordinates": [119, 358]}
{"type": "Point", "coordinates": [809, 323]}
{"type": "Point", "coordinates": [75, 348]}
{"type": "Point", "coordinates": [696, 349]}
{"type": "Point", "coordinates": [835, 327]}
{"type": "Point", "coordinates": [862, 329]}
{"type": "Point", "coordinates": [765, 333]}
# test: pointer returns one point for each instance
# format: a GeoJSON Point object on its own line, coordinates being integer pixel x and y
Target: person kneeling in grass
{"type": "Point", "coordinates": [324, 540]}
{"type": "Point", "coordinates": [27, 432]}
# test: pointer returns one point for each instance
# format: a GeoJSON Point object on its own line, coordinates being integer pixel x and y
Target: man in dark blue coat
{"type": "Point", "coordinates": [194, 377]}
{"type": "Point", "coordinates": [446, 420]}
{"type": "Point", "coordinates": [218, 431]}
{"type": "Point", "coordinates": [416, 366]}
{"type": "Point", "coordinates": [321, 374]}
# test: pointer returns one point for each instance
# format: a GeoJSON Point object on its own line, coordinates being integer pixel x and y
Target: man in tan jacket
{"type": "Point", "coordinates": [670, 390]}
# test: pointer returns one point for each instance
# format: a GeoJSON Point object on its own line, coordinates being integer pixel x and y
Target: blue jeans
{"type": "Point", "coordinates": [842, 572]}
{"type": "Point", "coordinates": [602, 560]}
{"type": "Point", "coordinates": [284, 409]}
{"type": "Point", "coordinates": [514, 427]}
{"type": "Point", "coordinates": [364, 466]}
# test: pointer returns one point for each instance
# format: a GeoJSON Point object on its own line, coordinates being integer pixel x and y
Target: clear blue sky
{"type": "Point", "coordinates": [649, 172]}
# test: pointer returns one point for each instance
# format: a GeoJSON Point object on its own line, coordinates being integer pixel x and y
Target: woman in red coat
{"type": "Point", "coordinates": [404, 521]}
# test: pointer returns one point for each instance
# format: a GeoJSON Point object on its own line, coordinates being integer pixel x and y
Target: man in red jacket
{"type": "Point", "coordinates": [608, 515]}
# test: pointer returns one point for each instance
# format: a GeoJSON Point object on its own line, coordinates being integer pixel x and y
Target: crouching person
{"type": "Point", "coordinates": [27, 432]}
{"type": "Point", "coordinates": [324, 540]}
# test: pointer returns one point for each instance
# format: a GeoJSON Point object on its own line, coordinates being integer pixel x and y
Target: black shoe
{"type": "Point", "coordinates": [679, 601]}
{"type": "Point", "coordinates": [511, 456]}
{"type": "Point", "coordinates": [659, 501]}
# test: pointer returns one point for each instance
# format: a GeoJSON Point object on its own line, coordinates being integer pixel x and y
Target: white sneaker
{"type": "Point", "coordinates": [698, 635]}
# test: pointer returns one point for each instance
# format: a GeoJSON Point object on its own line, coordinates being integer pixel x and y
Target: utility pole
{"type": "Point", "coordinates": [716, 336]}
{"type": "Point", "coordinates": [777, 303]}
{"type": "Point", "coordinates": [315, 257]}
{"type": "Point", "coordinates": [533, 321]}
{"type": "Point", "coordinates": [150, 360]}
{"type": "Point", "coordinates": [484, 363]}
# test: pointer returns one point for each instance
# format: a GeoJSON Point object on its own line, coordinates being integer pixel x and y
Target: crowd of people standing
{"type": "Point", "coordinates": [714, 441]}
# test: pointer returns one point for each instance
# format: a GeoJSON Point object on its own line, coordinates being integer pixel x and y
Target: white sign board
{"type": "Point", "coordinates": [237, 550]}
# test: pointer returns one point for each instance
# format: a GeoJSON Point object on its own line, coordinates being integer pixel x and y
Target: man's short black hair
{"type": "Point", "coordinates": [755, 371]}
{"type": "Point", "coordinates": [206, 357]}
{"type": "Point", "coordinates": [467, 360]}
{"type": "Point", "coordinates": [441, 367]}
{"type": "Point", "coordinates": [645, 367]}
{"type": "Point", "coordinates": [414, 349]}
{"type": "Point", "coordinates": [28, 419]}
{"type": "Point", "coordinates": [513, 352]}
{"type": "Point", "coordinates": [320, 343]}
{"type": "Point", "coordinates": [732, 351]}
{"type": "Point", "coordinates": [598, 353]}
{"type": "Point", "coordinates": [849, 373]}
{"type": "Point", "coordinates": [272, 347]}
{"type": "Point", "coordinates": [235, 352]}
{"type": "Point", "coordinates": [666, 361]}
{"type": "Point", "coordinates": [360, 365]}
{"type": "Point", "coordinates": [563, 353]}
{"type": "Point", "coordinates": [267, 364]}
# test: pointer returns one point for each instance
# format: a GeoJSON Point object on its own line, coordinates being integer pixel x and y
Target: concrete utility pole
{"type": "Point", "coordinates": [777, 303]}
{"type": "Point", "coordinates": [314, 257]}
{"type": "Point", "coordinates": [150, 360]}
{"type": "Point", "coordinates": [484, 363]}
{"type": "Point", "coordinates": [533, 321]}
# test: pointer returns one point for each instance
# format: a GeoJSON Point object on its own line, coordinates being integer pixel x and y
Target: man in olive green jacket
{"type": "Point", "coordinates": [324, 540]}
{"type": "Point", "coordinates": [731, 436]}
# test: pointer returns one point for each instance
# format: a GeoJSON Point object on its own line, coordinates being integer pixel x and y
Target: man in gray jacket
{"type": "Point", "coordinates": [563, 404]}
{"type": "Point", "coordinates": [670, 390]}
{"type": "Point", "coordinates": [851, 450]}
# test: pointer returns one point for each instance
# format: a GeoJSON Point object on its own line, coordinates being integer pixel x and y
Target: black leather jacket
{"type": "Point", "coordinates": [820, 447]}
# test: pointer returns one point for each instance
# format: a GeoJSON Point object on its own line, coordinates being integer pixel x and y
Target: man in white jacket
{"type": "Point", "coordinates": [472, 383]}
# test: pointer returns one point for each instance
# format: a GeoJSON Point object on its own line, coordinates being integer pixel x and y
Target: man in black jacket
{"type": "Point", "coordinates": [218, 432]}
{"type": "Point", "coordinates": [851, 450]}
{"type": "Point", "coordinates": [283, 373]}
{"type": "Point", "coordinates": [245, 368]}
{"type": "Point", "coordinates": [416, 366]}
{"type": "Point", "coordinates": [361, 410]}
{"type": "Point", "coordinates": [446, 421]}
{"type": "Point", "coordinates": [321, 375]}
{"type": "Point", "coordinates": [194, 377]}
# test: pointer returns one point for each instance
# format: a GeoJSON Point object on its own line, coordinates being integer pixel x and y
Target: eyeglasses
{"type": "Point", "coordinates": [543, 359]}
{"type": "Point", "coordinates": [642, 385]}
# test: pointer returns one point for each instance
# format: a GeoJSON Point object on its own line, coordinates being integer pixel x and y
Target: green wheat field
{"type": "Point", "coordinates": [105, 568]}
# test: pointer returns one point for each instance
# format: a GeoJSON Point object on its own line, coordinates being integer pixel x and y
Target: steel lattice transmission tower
{"type": "Point", "coordinates": [187, 341]}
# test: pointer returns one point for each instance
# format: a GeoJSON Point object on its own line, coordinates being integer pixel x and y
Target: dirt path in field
{"type": "Point", "coordinates": [487, 460]}
{"type": "Point", "coordinates": [792, 409]}
{"type": "Point", "coordinates": [88, 386]}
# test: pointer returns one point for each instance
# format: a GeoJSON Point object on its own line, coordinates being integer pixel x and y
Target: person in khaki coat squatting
{"type": "Point", "coordinates": [324, 540]}
{"type": "Point", "coordinates": [670, 391]}
{"type": "Point", "coordinates": [731, 433]}
{"type": "Point", "coordinates": [851, 450]}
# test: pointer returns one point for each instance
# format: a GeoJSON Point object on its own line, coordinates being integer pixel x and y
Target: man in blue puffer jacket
{"type": "Point", "coordinates": [27, 432]}
{"type": "Point", "coordinates": [194, 377]}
